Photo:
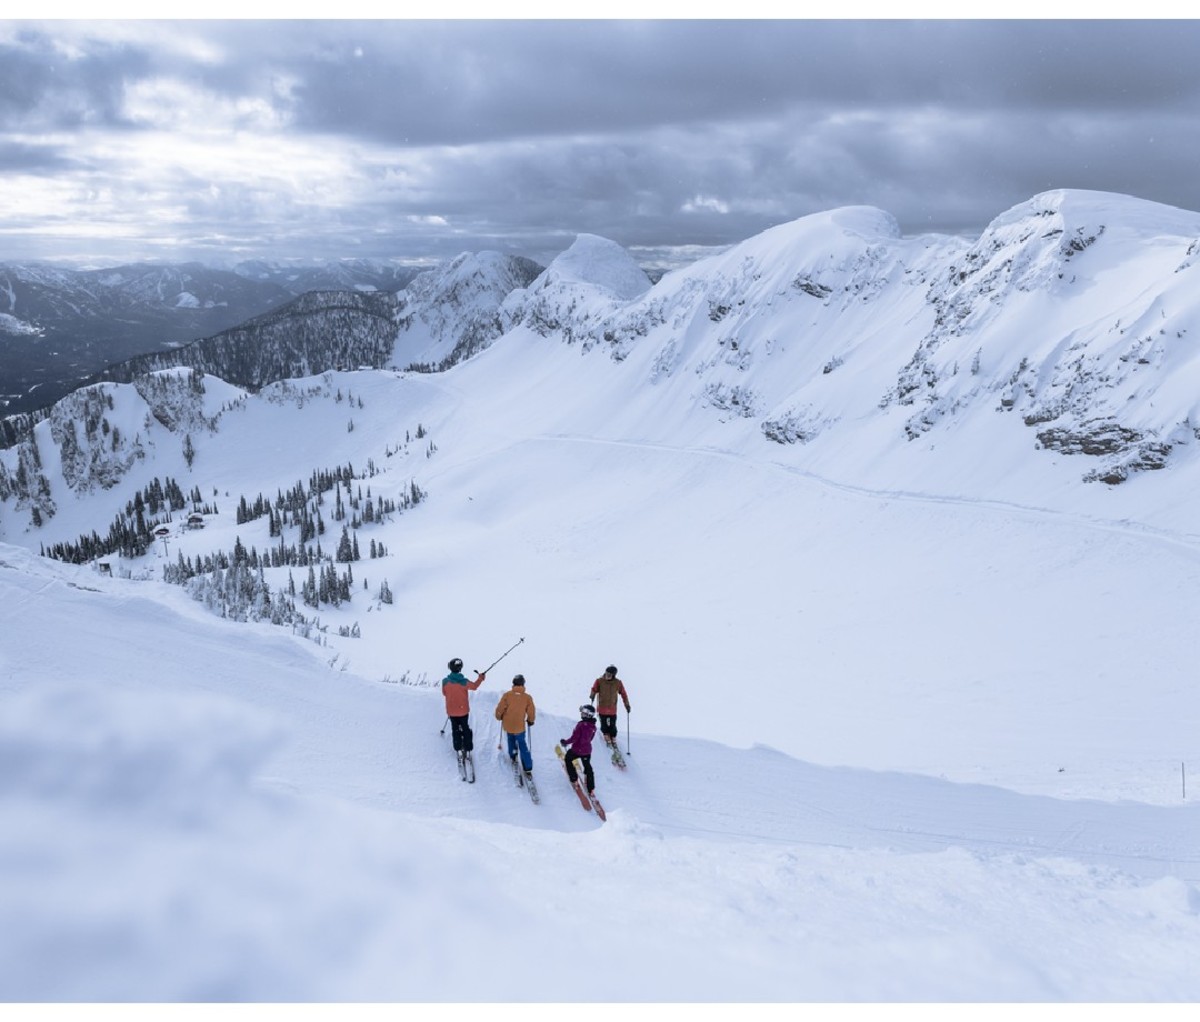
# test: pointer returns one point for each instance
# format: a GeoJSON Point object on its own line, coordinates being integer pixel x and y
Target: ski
{"type": "Point", "coordinates": [598, 807]}
{"type": "Point", "coordinates": [586, 800]}
{"type": "Point", "coordinates": [617, 759]}
{"type": "Point", "coordinates": [466, 766]}
{"type": "Point", "coordinates": [583, 799]}
{"type": "Point", "coordinates": [524, 779]}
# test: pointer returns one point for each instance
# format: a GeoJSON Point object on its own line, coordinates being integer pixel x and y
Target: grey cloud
{"type": "Point", "coordinates": [439, 83]}
{"type": "Point", "coordinates": [657, 134]}
{"type": "Point", "coordinates": [29, 159]}
{"type": "Point", "coordinates": [43, 89]}
{"type": "Point", "coordinates": [430, 82]}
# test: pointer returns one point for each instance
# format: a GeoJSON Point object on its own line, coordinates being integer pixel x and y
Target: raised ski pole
{"type": "Point", "coordinates": [501, 656]}
{"type": "Point", "coordinates": [500, 743]}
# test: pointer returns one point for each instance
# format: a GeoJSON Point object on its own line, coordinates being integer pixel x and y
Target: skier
{"type": "Point", "coordinates": [515, 711]}
{"type": "Point", "coordinates": [458, 704]}
{"type": "Point", "coordinates": [580, 744]}
{"type": "Point", "coordinates": [605, 692]}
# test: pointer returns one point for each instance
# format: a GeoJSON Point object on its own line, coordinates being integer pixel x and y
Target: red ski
{"type": "Point", "coordinates": [599, 808]}
{"type": "Point", "coordinates": [583, 799]}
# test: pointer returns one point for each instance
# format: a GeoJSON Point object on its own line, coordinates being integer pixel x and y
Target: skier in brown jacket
{"type": "Point", "coordinates": [516, 711]}
{"type": "Point", "coordinates": [605, 691]}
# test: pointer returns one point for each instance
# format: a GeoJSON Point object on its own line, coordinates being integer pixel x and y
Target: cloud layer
{"type": "Point", "coordinates": [222, 140]}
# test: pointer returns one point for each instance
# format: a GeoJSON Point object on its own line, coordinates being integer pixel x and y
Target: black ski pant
{"type": "Point", "coordinates": [608, 725]}
{"type": "Point", "coordinates": [460, 731]}
{"type": "Point", "coordinates": [589, 778]}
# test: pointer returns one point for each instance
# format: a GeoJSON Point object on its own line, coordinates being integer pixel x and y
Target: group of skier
{"type": "Point", "coordinates": [517, 713]}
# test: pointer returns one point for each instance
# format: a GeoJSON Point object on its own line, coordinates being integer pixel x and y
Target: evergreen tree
{"type": "Point", "coordinates": [345, 551]}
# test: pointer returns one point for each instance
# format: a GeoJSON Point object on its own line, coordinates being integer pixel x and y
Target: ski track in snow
{"type": "Point", "coordinates": [1190, 543]}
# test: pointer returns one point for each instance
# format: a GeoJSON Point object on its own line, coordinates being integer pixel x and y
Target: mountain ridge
{"type": "Point", "coordinates": [58, 326]}
{"type": "Point", "coordinates": [1060, 342]}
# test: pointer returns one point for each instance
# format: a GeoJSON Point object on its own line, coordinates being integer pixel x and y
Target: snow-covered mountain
{"type": "Point", "coordinates": [445, 315]}
{"type": "Point", "coordinates": [59, 326]}
{"type": "Point", "coordinates": [910, 670]}
{"type": "Point", "coordinates": [1056, 349]}
{"type": "Point", "coordinates": [450, 313]}
{"type": "Point", "coordinates": [318, 331]}
{"type": "Point", "coordinates": [588, 283]}
{"type": "Point", "coordinates": [1072, 315]}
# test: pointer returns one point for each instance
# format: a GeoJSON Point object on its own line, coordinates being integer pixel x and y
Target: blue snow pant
{"type": "Point", "coordinates": [517, 743]}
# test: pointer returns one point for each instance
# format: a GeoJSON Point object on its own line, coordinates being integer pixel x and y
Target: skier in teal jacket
{"type": "Point", "coordinates": [455, 688]}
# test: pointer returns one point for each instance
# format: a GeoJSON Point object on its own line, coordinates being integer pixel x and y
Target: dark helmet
{"type": "Point", "coordinates": [610, 670]}
{"type": "Point", "coordinates": [455, 664]}
{"type": "Point", "coordinates": [587, 712]}
{"type": "Point", "coordinates": [518, 679]}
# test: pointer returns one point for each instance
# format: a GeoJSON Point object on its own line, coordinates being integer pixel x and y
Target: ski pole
{"type": "Point", "coordinates": [627, 752]}
{"type": "Point", "coordinates": [443, 731]}
{"type": "Point", "coordinates": [501, 656]}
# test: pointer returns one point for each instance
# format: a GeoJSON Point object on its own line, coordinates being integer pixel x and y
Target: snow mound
{"type": "Point", "coordinates": [1080, 209]}
{"type": "Point", "coordinates": [174, 756]}
{"type": "Point", "coordinates": [598, 261]}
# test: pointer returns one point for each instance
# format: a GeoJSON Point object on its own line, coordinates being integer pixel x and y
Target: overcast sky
{"type": "Point", "coordinates": [222, 140]}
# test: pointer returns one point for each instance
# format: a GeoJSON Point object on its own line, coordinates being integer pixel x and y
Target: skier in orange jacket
{"type": "Point", "coordinates": [516, 711]}
{"type": "Point", "coordinates": [455, 688]}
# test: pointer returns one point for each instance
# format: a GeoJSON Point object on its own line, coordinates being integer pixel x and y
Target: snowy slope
{"type": "Point", "coordinates": [246, 824]}
{"type": "Point", "coordinates": [1058, 348]}
{"type": "Point", "coordinates": [913, 708]}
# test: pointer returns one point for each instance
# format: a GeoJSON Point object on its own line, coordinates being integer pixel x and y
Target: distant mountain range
{"type": "Point", "coordinates": [1058, 348]}
{"type": "Point", "coordinates": [441, 317]}
{"type": "Point", "coordinates": [58, 327]}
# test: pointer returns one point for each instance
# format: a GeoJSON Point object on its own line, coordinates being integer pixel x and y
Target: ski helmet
{"type": "Point", "coordinates": [610, 670]}
{"type": "Point", "coordinates": [587, 712]}
{"type": "Point", "coordinates": [455, 664]}
{"type": "Point", "coordinates": [518, 679]}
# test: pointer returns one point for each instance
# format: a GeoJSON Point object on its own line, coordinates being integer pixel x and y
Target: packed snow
{"type": "Point", "coordinates": [909, 723]}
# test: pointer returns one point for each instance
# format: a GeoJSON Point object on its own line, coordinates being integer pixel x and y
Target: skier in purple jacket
{"type": "Point", "coordinates": [580, 747]}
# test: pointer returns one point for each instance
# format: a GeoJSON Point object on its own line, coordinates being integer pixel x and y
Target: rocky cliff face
{"type": "Point", "coordinates": [448, 314]}
{"type": "Point", "coordinates": [1073, 313]}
